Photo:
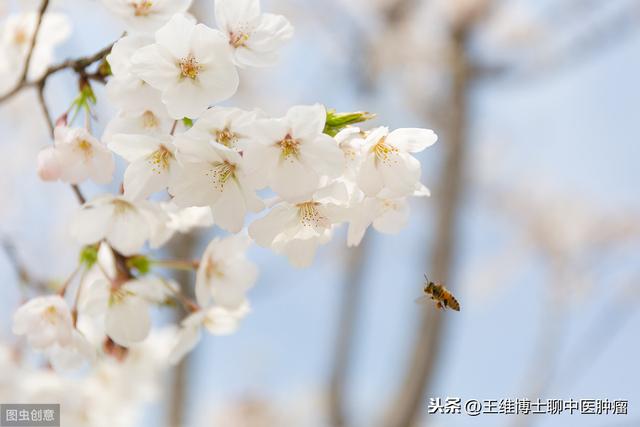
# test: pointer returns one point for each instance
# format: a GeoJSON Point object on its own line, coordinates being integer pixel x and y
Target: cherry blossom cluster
{"type": "Point", "coordinates": [191, 164]}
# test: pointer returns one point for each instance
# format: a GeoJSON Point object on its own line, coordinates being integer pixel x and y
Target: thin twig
{"type": "Point", "coordinates": [24, 277]}
{"type": "Point", "coordinates": [79, 65]}
{"type": "Point", "coordinates": [27, 62]}
{"type": "Point", "coordinates": [178, 264]}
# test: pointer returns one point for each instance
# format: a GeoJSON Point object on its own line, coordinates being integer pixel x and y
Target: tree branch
{"type": "Point", "coordinates": [25, 278]}
{"type": "Point", "coordinates": [79, 65]}
{"type": "Point", "coordinates": [27, 62]}
{"type": "Point", "coordinates": [404, 410]}
{"type": "Point", "coordinates": [350, 308]}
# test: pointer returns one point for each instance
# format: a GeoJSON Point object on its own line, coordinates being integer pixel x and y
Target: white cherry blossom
{"type": "Point", "coordinates": [296, 230]}
{"type": "Point", "coordinates": [151, 162]}
{"type": "Point", "coordinates": [213, 175]}
{"type": "Point", "coordinates": [190, 64]}
{"type": "Point", "coordinates": [75, 157]}
{"type": "Point", "coordinates": [127, 90]}
{"type": "Point", "coordinates": [225, 275]}
{"type": "Point", "coordinates": [292, 154]}
{"type": "Point", "coordinates": [124, 223]}
{"type": "Point", "coordinates": [180, 220]}
{"type": "Point", "coordinates": [351, 140]}
{"type": "Point", "coordinates": [388, 164]}
{"type": "Point", "coordinates": [151, 121]}
{"type": "Point", "coordinates": [226, 126]}
{"type": "Point", "coordinates": [125, 309]}
{"type": "Point", "coordinates": [254, 37]}
{"type": "Point", "coordinates": [217, 320]}
{"type": "Point", "coordinates": [146, 15]}
{"type": "Point", "coordinates": [45, 321]}
{"type": "Point", "coordinates": [74, 355]}
{"type": "Point", "coordinates": [15, 41]}
{"type": "Point", "coordinates": [387, 215]}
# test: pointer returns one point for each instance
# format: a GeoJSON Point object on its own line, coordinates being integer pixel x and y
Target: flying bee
{"type": "Point", "coordinates": [438, 293]}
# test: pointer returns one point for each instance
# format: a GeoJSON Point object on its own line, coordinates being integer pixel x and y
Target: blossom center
{"type": "Point", "coordinates": [20, 36]}
{"type": "Point", "coordinates": [189, 67]}
{"type": "Point", "coordinates": [118, 295]}
{"type": "Point", "coordinates": [51, 314]}
{"type": "Point", "coordinates": [225, 137]}
{"type": "Point", "coordinates": [310, 216]}
{"type": "Point", "coordinates": [121, 206]}
{"type": "Point", "coordinates": [149, 120]}
{"type": "Point", "coordinates": [238, 39]}
{"type": "Point", "coordinates": [212, 270]}
{"type": "Point", "coordinates": [220, 174]}
{"type": "Point", "coordinates": [289, 146]}
{"type": "Point", "coordinates": [142, 8]}
{"type": "Point", "coordinates": [383, 151]}
{"type": "Point", "coordinates": [85, 147]}
{"type": "Point", "coordinates": [160, 159]}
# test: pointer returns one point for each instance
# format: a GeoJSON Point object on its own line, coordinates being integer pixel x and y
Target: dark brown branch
{"type": "Point", "coordinates": [406, 406]}
{"type": "Point", "coordinates": [79, 65]}
{"type": "Point", "coordinates": [349, 311]}
{"type": "Point", "coordinates": [45, 110]}
{"type": "Point", "coordinates": [27, 62]}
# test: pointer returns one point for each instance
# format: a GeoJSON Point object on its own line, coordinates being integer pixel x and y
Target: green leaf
{"type": "Point", "coordinates": [187, 122]}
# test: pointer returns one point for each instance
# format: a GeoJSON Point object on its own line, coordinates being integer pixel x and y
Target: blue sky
{"type": "Point", "coordinates": [573, 132]}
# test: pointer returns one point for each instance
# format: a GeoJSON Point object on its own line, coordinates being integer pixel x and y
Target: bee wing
{"type": "Point", "coordinates": [424, 299]}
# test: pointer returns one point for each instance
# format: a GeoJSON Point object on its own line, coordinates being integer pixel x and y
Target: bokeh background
{"type": "Point", "coordinates": [534, 222]}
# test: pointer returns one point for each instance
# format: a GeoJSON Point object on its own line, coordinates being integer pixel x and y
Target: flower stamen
{"type": "Point", "coordinates": [159, 159]}
{"type": "Point", "coordinates": [383, 151]}
{"type": "Point", "coordinates": [141, 8]}
{"type": "Point", "coordinates": [220, 174]}
{"type": "Point", "coordinates": [310, 216]}
{"type": "Point", "coordinates": [121, 206]}
{"type": "Point", "coordinates": [289, 147]}
{"type": "Point", "coordinates": [238, 39]}
{"type": "Point", "coordinates": [85, 147]}
{"type": "Point", "coordinates": [225, 137]}
{"type": "Point", "coordinates": [189, 67]}
{"type": "Point", "coordinates": [150, 120]}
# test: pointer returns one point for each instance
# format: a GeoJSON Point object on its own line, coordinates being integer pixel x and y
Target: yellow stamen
{"type": "Point", "coordinates": [118, 295]}
{"type": "Point", "coordinates": [289, 147]}
{"type": "Point", "coordinates": [383, 151]}
{"type": "Point", "coordinates": [159, 159]}
{"type": "Point", "coordinates": [310, 216]}
{"type": "Point", "coordinates": [85, 147]}
{"type": "Point", "coordinates": [189, 67]}
{"type": "Point", "coordinates": [220, 174]}
{"type": "Point", "coordinates": [225, 137]}
{"type": "Point", "coordinates": [238, 39]}
{"type": "Point", "coordinates": [20, 36]}
{"type": "Point", "coordinates": [121, 206]}
{"type": "Point", "coordinates": [142, 8]}
{"type": "Point", "coordinates": [51, 314]}
{"type": "Point", "coordinates": [150, 120]}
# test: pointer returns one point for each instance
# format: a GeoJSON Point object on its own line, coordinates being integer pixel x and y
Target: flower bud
{"type": "Point", "coordinates": [48, 165]}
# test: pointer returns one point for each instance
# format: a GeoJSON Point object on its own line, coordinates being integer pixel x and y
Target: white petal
{"type": "Point", "coordinates": [307, 122]}
{"type": "Point", "coordinates": [91, 223]}
{"type": "Point", "coordinates": [128, 321]}
{"type": "Point", "coordinates": [411, 139]}
{"type": "Point", "coordinates": [186, 340]}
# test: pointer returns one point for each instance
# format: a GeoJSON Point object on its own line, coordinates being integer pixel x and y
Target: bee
{"type": "Point", "coordinates": [438, 293]}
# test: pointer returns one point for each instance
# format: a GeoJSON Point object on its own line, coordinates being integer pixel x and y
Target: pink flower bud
{"type": "Point", "coordinates": [48, 165]}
